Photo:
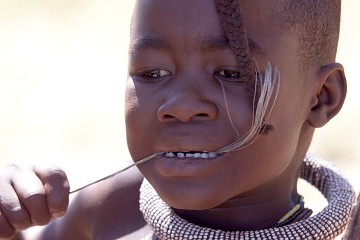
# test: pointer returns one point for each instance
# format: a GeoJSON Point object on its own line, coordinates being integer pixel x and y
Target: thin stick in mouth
{"type": "Point", "coordinates": [118, 172]}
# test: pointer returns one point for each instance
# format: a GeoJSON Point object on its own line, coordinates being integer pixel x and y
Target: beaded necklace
{"type": "Point", "coordinates": [327, 224]}
{"type": "Point", "coordinates": [298, 212]}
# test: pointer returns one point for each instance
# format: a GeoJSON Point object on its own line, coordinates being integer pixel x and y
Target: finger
{"type": "Point", "coordinates": [32, 195]}
{"type": "Point", "coordinates": [6, 230]}
{"type": "Point", "coordinates": [56, 187]}
{"type": "Point", "coordinates": [12, 210]}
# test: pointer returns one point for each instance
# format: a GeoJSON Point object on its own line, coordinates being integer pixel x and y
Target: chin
{"type": "Point", "coordinates": [190, 198]}
{"type": "Point", "coordinates": [195, 205]}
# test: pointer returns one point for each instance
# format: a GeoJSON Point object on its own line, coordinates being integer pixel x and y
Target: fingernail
{"type": "Point", "coordinates": [57, 214]}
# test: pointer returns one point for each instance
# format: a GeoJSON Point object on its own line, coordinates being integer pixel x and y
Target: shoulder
{"type": "Point", "coordinates": [108, 208]}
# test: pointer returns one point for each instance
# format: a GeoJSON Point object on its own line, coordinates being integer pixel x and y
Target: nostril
{"type": "Point", "coordinates": [202, 115]}
{"type": "Point", "coordinates": [167, 116]}
{"type": "Point", "coordinates": [185, 107]}
{"type": "Point", "coordinates": [170, 117]}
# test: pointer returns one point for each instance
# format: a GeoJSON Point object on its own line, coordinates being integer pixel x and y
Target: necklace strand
{"type": "Point", "coordinates": [297, 213]}
{"type": "Point", "coordinates": [327, 224]}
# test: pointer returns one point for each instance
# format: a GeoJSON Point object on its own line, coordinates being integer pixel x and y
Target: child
{"type": "Point", "coordinates": [229, 134]}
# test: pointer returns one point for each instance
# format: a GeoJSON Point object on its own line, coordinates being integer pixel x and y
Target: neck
{"type": "Point", "coordinates": [257, 209]}
{"type": "Point", "coordinates": [327, 224]}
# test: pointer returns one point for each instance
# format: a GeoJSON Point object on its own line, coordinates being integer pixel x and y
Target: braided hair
{"type": "Point", "coordinates": [260, 88]}
{"type": "Point", "coordinates": [233, 24]}
{"type": "Point", "coordinates": [235, 31]}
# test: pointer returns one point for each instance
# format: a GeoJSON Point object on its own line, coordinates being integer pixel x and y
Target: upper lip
{"type": "Point", "coordinates": [185, 138]}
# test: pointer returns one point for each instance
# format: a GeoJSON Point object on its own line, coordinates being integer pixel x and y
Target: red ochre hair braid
{"type": "Point", "coordinates": [235, 31]}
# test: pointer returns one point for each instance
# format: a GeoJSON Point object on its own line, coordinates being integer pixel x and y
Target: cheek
{"type": "Point", "coordinates": [271, 154]}
{"type": "Point", "coordinates": [277, 150]}
{"type": "Point", "coordinates": [237, 109]}
{"type": "Point", "coordinates": [138, 119]}
{"type": "Point", "coordinates": [266, 161]}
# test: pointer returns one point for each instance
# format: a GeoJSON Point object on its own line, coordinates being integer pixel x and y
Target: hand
{"type": "Point", "coordinates": [31, 196]}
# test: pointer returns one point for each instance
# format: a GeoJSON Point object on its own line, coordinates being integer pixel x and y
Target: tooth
{"type": "Point", "coordinates": [191, 155]}
{"type": "Point", "coordinates": [168, 154]}
{"type": "Point", "coordinates": [212, 154]}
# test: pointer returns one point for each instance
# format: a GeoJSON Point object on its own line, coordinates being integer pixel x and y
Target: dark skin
{"type": "Point", "coordinates": [178, 55]}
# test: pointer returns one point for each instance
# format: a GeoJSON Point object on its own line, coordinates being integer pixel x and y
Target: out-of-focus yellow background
{"type": "Point", "coordinates": [62, 76]}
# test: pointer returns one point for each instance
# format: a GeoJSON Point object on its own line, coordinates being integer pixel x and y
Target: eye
{"type": "Point", "coordinates": [231, 74]}
{"type": "Point", "coordinates": [153, 75]}
{"type": "Point", "coordinates": [157, 73]}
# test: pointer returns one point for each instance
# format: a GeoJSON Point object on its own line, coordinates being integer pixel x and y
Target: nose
{"type": "Point", "coordinates": [187, 106]}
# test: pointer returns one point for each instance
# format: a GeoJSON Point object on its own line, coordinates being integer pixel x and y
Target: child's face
{"type": "Point", "coordinates": [178, 55]}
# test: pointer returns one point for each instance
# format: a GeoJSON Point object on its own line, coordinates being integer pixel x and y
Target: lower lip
{"type": "Point", "coordinates": [186, 167]}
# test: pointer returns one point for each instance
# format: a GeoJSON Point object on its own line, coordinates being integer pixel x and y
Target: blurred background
{"type": "Point", "coordinates": [62, 75]}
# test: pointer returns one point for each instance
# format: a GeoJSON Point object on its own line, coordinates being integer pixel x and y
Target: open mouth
{"type": "Point", "coordinates": [203, 155]}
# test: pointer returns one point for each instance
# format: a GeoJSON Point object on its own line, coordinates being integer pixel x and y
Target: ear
{"type": "Point", "coordinates": [330, 94]}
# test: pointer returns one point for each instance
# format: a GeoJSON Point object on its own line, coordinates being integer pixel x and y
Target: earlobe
{"type": "Point", "coordinates": [330, 95]}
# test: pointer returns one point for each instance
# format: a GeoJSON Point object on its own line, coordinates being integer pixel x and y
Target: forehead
{"type": "Point", "coordinates": [183, 22]}
{"type": "Point", "coordinates": [152, 16]}
{"type": "Point", "coordinates": [170, 7]}
{"type": "Point", "coordinates": [188, 10]}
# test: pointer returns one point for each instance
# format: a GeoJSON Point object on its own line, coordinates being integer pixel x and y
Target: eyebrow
{"type": "Point", "coordinates": [208, 44]}
{"type": "Point", "coordinates": [142, 44]}
{"type": "Point", "coordinates": [256, 47]}
{"type": "Point", "coordinates": [221, 43]}
{"type": "Point", "coordinates": [214, 43]}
